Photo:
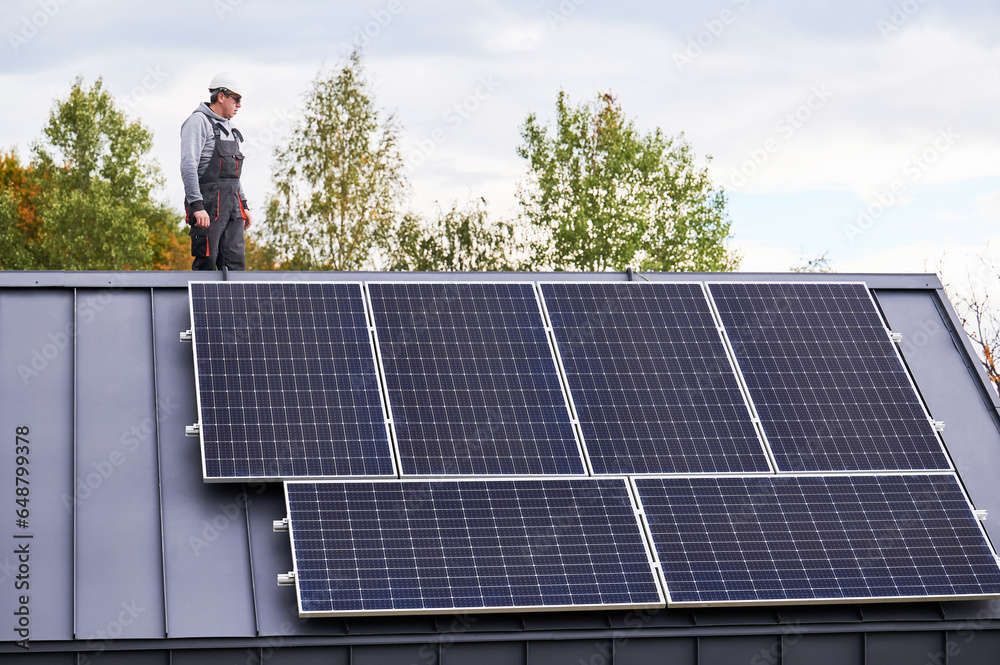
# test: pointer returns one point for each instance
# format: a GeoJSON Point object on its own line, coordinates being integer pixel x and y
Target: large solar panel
{"type": "Point", "coordinates": [652, 385]}
{"type": "Point", "coordinates": [827, 383]}
{"type": "Point", "coordinates": [472, 381]}
{"type": "Point", "coordinates": [784, 539]}
{"type": "Point", "coordinates": [287, 382]}
{"type": "Point", "coordinates": [395, 547]}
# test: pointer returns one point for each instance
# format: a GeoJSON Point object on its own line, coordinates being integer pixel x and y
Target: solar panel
{"type": "Point", "coordinates": [652, 385]}
{"type": "Point", "coordinates": [287, 382]}
{"type": "Point", "coordinates": [787, 539]}
{"type": "Point", "coordinates": [413, 546]}
{"type": "Point", "coordinates": [828, 385]}
{"type": "Point", "coordinates": [472, 381]}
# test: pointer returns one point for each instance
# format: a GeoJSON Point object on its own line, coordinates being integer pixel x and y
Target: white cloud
{"type": "Point", "coordinates": [890, 102]}
{"type": "Point", "coordinates": [949, 216]}
{"type": "Point", "coordinates": [956, 263]}
{"type": "Point", "coordinates": [989, 204]}
{"type": "Point", "coordinates": [766, 258]}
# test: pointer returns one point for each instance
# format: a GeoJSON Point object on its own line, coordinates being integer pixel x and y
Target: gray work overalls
{"type": "Point", "coordinates": [221, 244]}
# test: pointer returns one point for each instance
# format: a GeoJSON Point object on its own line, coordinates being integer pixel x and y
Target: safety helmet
{"type": "Point", "coordinates": [226, 81]}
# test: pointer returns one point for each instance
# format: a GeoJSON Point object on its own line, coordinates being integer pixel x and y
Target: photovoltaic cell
{"type": "Point", "coordinates": [830, 390]}
{"type": "Point", "coordinates": [398, 547]}
{"type": "Point", "coordinates": [653, 387]}
{"type": "Point", "coordinates": [471, 379]}
{"type": "Point", "coordinates": [287, 382]}
{"type": "Point", "coordinates": [784, 539]}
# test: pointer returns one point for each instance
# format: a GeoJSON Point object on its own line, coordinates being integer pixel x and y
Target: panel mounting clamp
{"type": "Point", "coordinates": [981, 515]}
{"type": "Point", "coordinates": [280, 525]}
{"type": "Point", "coordinates": [286, 579]}
{"type": "Point", "coordinates": [938, 425]}
{"type": "Point", "coordinates": [187, 336]}
{"type": "Point", "coordinates": [193, 430]}
{"type": "Point", "coordinates": [896, 337]}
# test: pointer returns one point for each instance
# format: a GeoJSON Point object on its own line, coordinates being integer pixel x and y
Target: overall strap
{"type": "Point", "coordinates": [217, 127]}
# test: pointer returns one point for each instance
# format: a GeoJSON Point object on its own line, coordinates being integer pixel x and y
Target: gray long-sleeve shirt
{"type": "Point", "coordinates": [197, 145]}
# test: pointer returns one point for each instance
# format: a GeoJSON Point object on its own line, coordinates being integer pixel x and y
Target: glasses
{"type": "Point", "coordinates": [236, 98]}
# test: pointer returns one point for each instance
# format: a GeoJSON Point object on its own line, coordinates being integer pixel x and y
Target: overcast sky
{"type": "Point", "coordinates": [865, 130]}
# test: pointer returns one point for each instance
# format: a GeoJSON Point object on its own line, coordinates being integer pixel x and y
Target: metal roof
{"type": "Point", "coordinates": [132, 556]}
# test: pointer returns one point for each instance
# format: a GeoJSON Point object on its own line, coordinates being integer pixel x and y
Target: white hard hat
{"type": "Point", "coordinates": [227, 81]}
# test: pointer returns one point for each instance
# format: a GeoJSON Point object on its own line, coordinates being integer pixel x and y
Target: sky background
{"type": "Point", "coordinates": [860, 130]}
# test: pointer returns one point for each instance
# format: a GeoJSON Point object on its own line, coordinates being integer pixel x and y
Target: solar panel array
{"type": "Point", "coordinates": [710, 399]}
{"type": "Point", "coordinates": [472, 383]}
{"type": "Point", "coordinates": [287, 383]}
{"type": "Point", "coordinates": [455, 546]}
{"type": "Point", "coordinates": [651, 382]}
{"type": "Point", "coordinates": [777, 539]}
{"type": "Point", "coordinates": [829, 387]}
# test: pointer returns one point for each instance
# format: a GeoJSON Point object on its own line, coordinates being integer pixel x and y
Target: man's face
{"type": "Point", "coordinates": [230, 104]}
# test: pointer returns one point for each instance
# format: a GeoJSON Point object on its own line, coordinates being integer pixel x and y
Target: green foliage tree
{"type": "Point", "coordinates": [339, 181]}
{"type": "Point", "coordinates": [601, 196]}
{"type": "Point", "coordinates": [463, 239]}
{"type": "Point", "coordinates": [85, 200]}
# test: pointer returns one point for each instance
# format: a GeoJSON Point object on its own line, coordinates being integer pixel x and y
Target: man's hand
{"type": "Point", "coordinates": [201, 219]}
{"type": "Point", "coordinates": [247, 220]}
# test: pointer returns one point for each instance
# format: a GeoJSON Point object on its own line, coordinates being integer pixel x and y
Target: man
{"type": "Point", "coordinates": [211, 162]}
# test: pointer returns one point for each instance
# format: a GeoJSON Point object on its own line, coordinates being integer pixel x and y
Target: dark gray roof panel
{"type": "Point", "coordinates": [119, 572]}
{"type": "Point", "coordinates": [205, 549]}
{"type": "Point", "coordinates": [36, 363]}
{"type": "Point", "coordinates": [953, 392]}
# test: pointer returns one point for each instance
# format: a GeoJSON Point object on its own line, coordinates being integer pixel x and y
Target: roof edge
{"type": "Point", "coordinates": [178, 278]}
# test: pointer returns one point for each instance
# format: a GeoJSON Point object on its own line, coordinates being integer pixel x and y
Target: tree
{"type": "Point", "coordinates": [819, 263]}
{"type": "Point", "coordinates": [601, 196]}
{"type": "Point", "coordinates": [463, 239]}
{"type": "Point", "coordinates": [339, 181]}
{"type": "Point", "coordinates": [19, 226]}
{"type": "Point", "coordinates": [85, 200]}
{"type": "Point", "coordinates": [978, 312]}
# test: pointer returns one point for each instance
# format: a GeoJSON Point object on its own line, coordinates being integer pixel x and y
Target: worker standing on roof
{"type": "Point", "coordinates": [211, 162]}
